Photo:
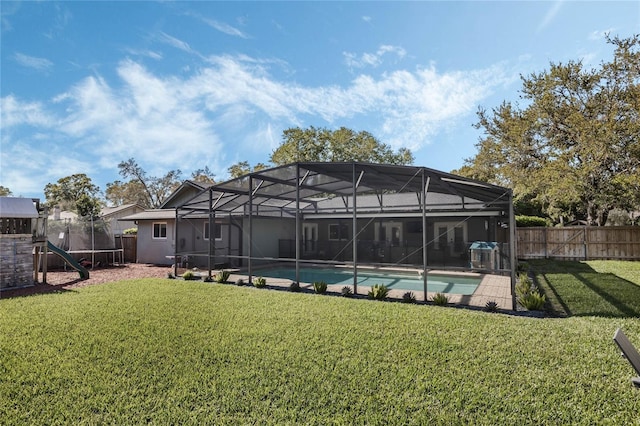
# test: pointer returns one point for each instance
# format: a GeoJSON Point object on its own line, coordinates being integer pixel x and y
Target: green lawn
{"type": "Point", "coordinates": [602, 288]}
{"type": "Point", "coordinates": [174, 352]}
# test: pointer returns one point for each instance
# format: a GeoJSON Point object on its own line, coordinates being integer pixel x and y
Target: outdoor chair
{"type": "Point", "coordinates": [629, 352]}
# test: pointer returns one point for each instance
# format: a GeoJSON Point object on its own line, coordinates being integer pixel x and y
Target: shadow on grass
{"type": "Point", "coordinates": [39, 288]}
{"type": "Point", "coordinates": [575, 289]}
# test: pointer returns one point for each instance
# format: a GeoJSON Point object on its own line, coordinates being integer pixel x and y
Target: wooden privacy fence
{"type": "Point", "coordinates": [579, 243]}
{"type": "Point", "coordinates": [129, 244]}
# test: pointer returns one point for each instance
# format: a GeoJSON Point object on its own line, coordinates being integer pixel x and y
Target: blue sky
{"type": "Point", "coordinates": [183, 85]}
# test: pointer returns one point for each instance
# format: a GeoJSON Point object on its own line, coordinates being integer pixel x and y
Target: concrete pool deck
{"type": "Point", "coordinates": [495, 288]}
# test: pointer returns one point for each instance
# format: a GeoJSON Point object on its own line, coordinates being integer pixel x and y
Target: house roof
{"type": "Point", "coordinates": [313, 186]}
{"type": "Point", "coordinates": [108, 211]}
{"type": "Point", "coordinates": [187, 185]}
{"type": "Point", "coordinates": [16, 207]}
{"type": "Point", "coordinates": [154, 214]}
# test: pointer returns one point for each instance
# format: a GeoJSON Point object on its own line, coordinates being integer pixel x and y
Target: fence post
{"type": "Point", "coordinates": [584, 243]}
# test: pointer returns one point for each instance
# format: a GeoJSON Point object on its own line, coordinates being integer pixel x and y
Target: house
{"type": "Point", "coordinates": [112, 215]}
{"type": "Point", "coordinates": [156, 227]}
{"type": "Point", "coordinates": [379, 215]}
{"type": "Point", "coordinates": [65, 216]}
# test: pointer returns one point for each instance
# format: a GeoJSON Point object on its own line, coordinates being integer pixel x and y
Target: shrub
{"type": "Point", "coordinates": [524, 285]}
{"type": "Point", "coordinates": [222, 276]}
{"type": "Point", "coordinates": [378, 292]}
{"type": "Point", "coordinates": [189, 275]}
{"type": "Point", "coordinates": [527, 221]}
{"type": "Point", "coordinates": [440, 299]}
{"type": "Point", "coordinates": [409, 297]}
{"type": "Point", "coordinates": [320, 287]}
{"type": "Point", "coordinates": [294, 287]}
{"type": "Point", "coordinates": [130, 231]}
{"type": "Point", "coordinates": [527, 294]}
{"type": "Point", "coordinates": [491, 306]}
{"type": "Point", "coordinates": [346, 291]}
{"type": "Point", "coordinates": [208, 279]}
{"type": "Point", "coordinates": [240, 282]}
{"type": "Point", "coordinates": [533, 301]}
{"type": "Point", "coordinates": [259, 282]}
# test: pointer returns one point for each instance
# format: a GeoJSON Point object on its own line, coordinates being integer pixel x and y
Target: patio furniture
{"type": "Point", "coordinates": [629, 352]}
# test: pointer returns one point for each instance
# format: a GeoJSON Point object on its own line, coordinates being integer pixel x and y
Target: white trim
{"type": "Point", "coordinates": [401, 215]}
{"type": "Point", "coordinates": [389, 225]}
{"type": "Point", "coordinates": [450, 234]}
{"type": "Point", "coordinates": [153, 230]}
{"type": "Point", "coordinates": [204, 229]}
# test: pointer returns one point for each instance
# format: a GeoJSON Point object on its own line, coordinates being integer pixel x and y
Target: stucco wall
{"type": "Point", "coordinates": [152, 250]}
{"type": "Point", "coordinates": [266, 236]}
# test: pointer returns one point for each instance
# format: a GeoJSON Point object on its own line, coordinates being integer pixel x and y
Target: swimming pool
{"type": "Point", "coordinates": [454, 284]}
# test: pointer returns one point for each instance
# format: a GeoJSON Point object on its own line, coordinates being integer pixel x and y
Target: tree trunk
{"type": "Point", "coordinates": [597, 215]}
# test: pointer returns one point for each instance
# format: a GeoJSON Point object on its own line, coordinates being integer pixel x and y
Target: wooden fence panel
{"type": "Point", "coordinates": [579, 243]}
{"type": "Point", "coordinates": [130, 246]}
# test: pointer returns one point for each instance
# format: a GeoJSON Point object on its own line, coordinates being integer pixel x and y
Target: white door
{"type": "Point", "coordinates": [450, 237]}
{"type": "Point", "coordinates": [390, 232]}
{"type": "Point", "coordinates": [309, 238]}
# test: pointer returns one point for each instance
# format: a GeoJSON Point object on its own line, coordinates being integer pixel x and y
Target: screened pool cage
{"type": "Point", "coordinates": [350, 215]}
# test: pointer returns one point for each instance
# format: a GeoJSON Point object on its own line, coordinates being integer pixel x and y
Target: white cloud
{"type": "Point", "coordinates": [145, 52]}
{"type": "Point", "coordinates": [39, 64]}
{"type": "Point", "coordinates": [550, 15]}
{"type": "Point", "coordinates": [366, 19]}
{"type": "Point", "coordinates": [177, 43]}
{"type": "Point", "coordinates": [372, 59]}
{"type": "Point", "coordinates": [15, 112]}
{"type": "Point", "coordinates": [231, 105]}
{"type": "Point", "coordinates": [225, 28]}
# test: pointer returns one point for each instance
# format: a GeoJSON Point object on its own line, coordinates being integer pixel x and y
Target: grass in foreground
{"type": "Point", "coordinates": [174, 352]}
{"type": "Point", "coordinates": [602, 288]}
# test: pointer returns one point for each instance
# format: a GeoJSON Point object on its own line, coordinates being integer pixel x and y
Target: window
{"type": "Point", "coordinates": [218, 230]}
{"type": "Point", "coordinates": [338, 231]}
{"type": "Point", "coordinates": [160, 230]}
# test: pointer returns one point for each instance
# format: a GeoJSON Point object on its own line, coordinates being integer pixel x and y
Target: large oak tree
{"type": "Point", "coordinates": [574, 149]}
{"type": "Point", "coordinates": [77, 193]}
{"type": "Point", "coordinates": [343, 144]}
{"type": "Point", "coordinates": [148, 191]}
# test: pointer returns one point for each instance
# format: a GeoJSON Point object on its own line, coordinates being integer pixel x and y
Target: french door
{"type": "Point", "coordinates": [390, 232]}
{"type": "Point", "coordinates": [450, 237]}
{"type": "Point", "coordinates": [309, 238]}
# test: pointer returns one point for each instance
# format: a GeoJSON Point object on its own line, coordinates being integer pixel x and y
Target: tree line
{"type": "Point", "coordinates": [572, 150]}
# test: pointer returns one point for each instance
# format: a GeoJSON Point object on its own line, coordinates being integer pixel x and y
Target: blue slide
{"type": "Point", "coordinates": [84, 273]}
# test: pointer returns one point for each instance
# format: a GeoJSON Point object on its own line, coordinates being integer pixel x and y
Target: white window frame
{"type": "Point", "coordinates": [205, 234]}
{"type": "Point", "coordinates": [159, 236]}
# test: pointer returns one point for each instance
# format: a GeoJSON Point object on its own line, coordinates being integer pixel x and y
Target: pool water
{"type": "Point", "coordinates": [453, 284]}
